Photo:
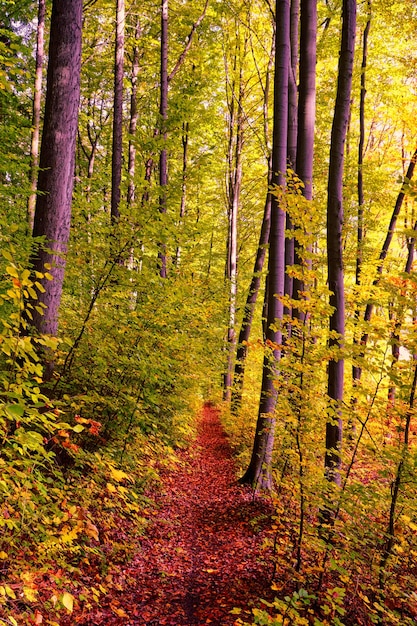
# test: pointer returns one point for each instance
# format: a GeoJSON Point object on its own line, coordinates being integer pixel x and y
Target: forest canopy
{"type": "Point", "coordinates": [210, 201]}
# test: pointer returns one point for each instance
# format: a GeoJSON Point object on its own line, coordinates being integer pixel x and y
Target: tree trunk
{"type": "Point", "coordinates": [259, 472]}
{"type": "Point", "coordinates": [184, 140]}
{"type": "Point", "coordinates": [244, 334]}
{"type": "Point", "coordinates": [133, 118]}
{"type": "Point", "coordinates": [334, 240]}
{"type": "Point", "coordinates": [36, 113]}
{"type": "Point", "coordinates": [165, 79]}
{"type": "Point", "coordinates": [361, 195]}
{"type": "Point", "coordinates": [306, 120]}
{"type": "Point", "coordinates": [245, 330]}
{"type": "Point", "coordinates": [117, 146]}
{"type": "Point", "coordinates": [163, 116]}
{"type": "Point", "coordinates": [384, 251]}
{"type": "Point", "coordinates": [56, 175]}
{"type": "Point", "coordinates": [236, 132]}
{"type": "Point", "coordinates": [307, 95]}
{"type": "Point", "coordinates": [292, 147]}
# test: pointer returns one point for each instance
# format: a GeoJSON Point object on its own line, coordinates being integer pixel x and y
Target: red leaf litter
{"type": "Point", "coordinates": [202, 554]}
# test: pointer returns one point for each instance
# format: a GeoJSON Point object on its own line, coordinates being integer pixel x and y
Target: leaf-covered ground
{"type": "Point", "coordinates": [202, 554]}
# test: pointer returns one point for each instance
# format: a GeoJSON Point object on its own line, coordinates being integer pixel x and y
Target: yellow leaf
{"type": "Point", "coordinates": [30, 593]}
{"type": "Point", "coordinates": [119, 612]}
{"type": "Point", "coordinates": [111, 488]}
{"type": "Point", "coordinates": [3, 555]}
{"type": "Point", "coordinates": [10, 592]}
{"type": "Point", "coordinates": [119, 475]}
{"type": "Point", "coordinates": [68, 601]}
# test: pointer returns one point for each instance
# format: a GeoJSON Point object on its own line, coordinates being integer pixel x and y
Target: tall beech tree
{"type": "Point", "coordinates": [307, 95]}
{"type": "Point", "coordinates": [117, 145]}
{"type": "Point", "coordinates": [334, 241]}
{"type": "Point", "coordinates": [56, 163]}
{"type": "Point", "coordinates": [292, 146]}
{"type": "Point", "coordinates": [134, 115]}
{"type": "Point", "coordinates": [306, 120]}
{"type": "Point", "coordinates": [258, 472]}
{"type": "Point", "coordinates": [236, 129]}
{"type": "Point", "coordinates": [163, 118]}
{"type": "Point", "coordinates": [361, 193]}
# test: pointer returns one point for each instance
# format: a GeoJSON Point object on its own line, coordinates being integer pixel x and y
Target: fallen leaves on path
{"type": "Point", "coordinates": [202, 554]}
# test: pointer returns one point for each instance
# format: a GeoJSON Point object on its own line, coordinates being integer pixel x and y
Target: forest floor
{"type": "Point", "coordinates": [202, 554]}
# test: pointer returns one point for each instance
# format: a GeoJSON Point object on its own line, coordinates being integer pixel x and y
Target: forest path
{"type": "Point", "coordinates": [202, 554]}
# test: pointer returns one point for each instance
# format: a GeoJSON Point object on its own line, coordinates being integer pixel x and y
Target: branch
{"type": "Point", "coordinates": [182, 56]}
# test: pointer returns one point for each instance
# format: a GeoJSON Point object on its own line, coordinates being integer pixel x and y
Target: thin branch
{"type": "Point", "coordinates": [182, 56]}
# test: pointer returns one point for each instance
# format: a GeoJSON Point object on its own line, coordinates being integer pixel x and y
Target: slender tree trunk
{"type": "Point", "coordinates": [244, 334]}
{"type": "Point", "coordinates": [307, 95]}
{"type": "Point", "coordinates": [399, 318]}
{"type": "Point", "coordinates": [36, 113]}
{"type": "Point", "coordinates": [306, 121]}
{"type": "Point", "coordinates": [185, 137]}
{"type": "Point", "coordinates": [163, 116]}
{"type": "Point", "coordinates": [165, 79]}
{"type": "Point", "coordinates": [56, 173]}
{"type": "Point", "coordinates": [361, 148]}
{"type": "Point", "coordinates": [245, 330]}
{"type": "Point", "coordinates": [117, 146]}
{"type": "Point", "coordinates": [388, 239]}
{"type": "Point", "coordinates": [134, 114]}
{"type": "Point", "coordinates": [292, 146]}
{"type": "Point", "coordinates": [234, 188]}
{"type": "Point", "coordinates": [334, 240]}
{"type": "Point", "coordinates": [259, 471]}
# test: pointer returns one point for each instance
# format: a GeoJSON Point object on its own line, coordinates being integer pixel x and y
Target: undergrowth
{"type": "Point", "coordinates": [77, 454]}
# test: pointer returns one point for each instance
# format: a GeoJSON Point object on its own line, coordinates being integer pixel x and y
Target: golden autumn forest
{"type": "Point", "coordinates": [208, 298]}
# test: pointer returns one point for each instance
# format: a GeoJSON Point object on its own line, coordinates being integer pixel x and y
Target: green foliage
{"type": "Point", "coordinates": [58, 503]}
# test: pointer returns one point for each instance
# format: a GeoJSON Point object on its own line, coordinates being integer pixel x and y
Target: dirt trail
{"type": "Point", "coordinates": [202, 554]}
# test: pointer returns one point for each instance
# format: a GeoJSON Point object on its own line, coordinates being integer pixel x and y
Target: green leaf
{"type": "Point", "coordinates": [7, 255]}
{"type": "Point", "coordinates": [15, 410]}
{"type": "Point", "coordinates": [30, 439]}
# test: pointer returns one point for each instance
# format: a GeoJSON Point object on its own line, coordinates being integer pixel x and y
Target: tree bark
{"type": "Point", "coordinates": [236, 137]}
{"type": "Point", "coordinates": [307, 95]}
{"type": "Point", "coordinates": [163, 117]}
{"type": "Point", "coordinates": [334, 240]}
{"type": "Point", "coordinates": [36, 113]}
{"type": "Point", "coordinates": [133, 118]}
{"type": "Point", "coordinates": [117, 146]}
{"type": "Point", "coordinates": [292, 147]}
{"type": "Point", "coordinates": [184, 141]}
{"type": "Point", "coordinates": [56, 175]}
{"type": "Point", "coordinates": [306, 121]}
{"type": "Point", "coordinates": [259, 472]}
